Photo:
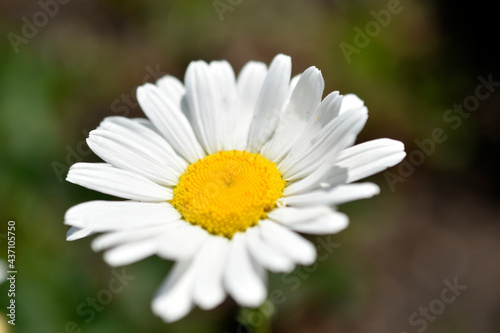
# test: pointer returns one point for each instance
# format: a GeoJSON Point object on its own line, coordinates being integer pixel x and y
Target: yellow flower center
{"type": "Point", "coordinates": [228, 191]}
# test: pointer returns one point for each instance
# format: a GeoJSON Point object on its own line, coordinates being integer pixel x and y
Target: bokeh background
{"type": "Point", "coordinates": [439, 221]}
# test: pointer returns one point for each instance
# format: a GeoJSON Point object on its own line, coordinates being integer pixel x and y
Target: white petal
{"type": "Point", "coordinates": [130, 253]}
{"type": "Point", "coordinates": [183, 242]}
{"type": "Point", "coordinates": [309, 183]}
{"type": "Point", "coordinates": [265, 255]}
{"type": "Point", "coordinates": [120, 183]}
{"type": "Point", "coordinates": [350, 102]}
{"type": "Point", "coordinates": [291, 215]}
{"type": "Point", "coordinates": [208, 289]}
{"type": "Point", "coordinates": [75, 233]}
{"type": "Point", "coordinates": [241, 278]}
{"type": "Point", "coordinates": [130, 155]}
{"type": "Point", "coordinates": [333, 196]}
{"type": "Point", "coordinates": [143, 122]}
{"type": "Point", "coordinates": [288, 242]}
{"type": "Point", "coordinates": [293, 83]}
{"type": "Point", "coordinates": [226, 102]}
{"type": "Point", "coordinates": [119, 215]}
{"type": "Point", "coordinates": [115, 238]}
{"type": "Point", "coordinates": [270, 102]}
{"type": "Point", "coordinates": [325, 224]}
{"type": "Point", "coordinates": [249, 84]}
{"type": "Point", "coordinates": [203, 105]}
{"type": "Point", "coordinates": [304, 100]}
{"type": "Point", "coordinates": [366, 159]}
{"type": "Point", "coordinates": [172, 88]}
{"type": "Point", "coordinates": [327, 110]}
{"type": "Point", "coordinates": [145, 136]}
{"type": "Point", "coordinates": [170, 121]}
{"type": "Point", "coordinates": [173, 300]}
{"type": "Point", "coordinates": [325, 145]}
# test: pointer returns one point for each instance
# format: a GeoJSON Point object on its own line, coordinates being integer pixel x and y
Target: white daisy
{"type": "Point", "coordinates": [223, 175]}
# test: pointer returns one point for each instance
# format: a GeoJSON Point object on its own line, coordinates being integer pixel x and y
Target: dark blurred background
{"type": "Point", "coordinates": [435, 223]}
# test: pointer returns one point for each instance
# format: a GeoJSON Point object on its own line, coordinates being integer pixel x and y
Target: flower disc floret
{"type": "Point", "coordinates": [228, 192]}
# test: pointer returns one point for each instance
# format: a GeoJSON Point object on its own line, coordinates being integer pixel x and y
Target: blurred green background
{"type": "Point", "coordinates": [438, 221]}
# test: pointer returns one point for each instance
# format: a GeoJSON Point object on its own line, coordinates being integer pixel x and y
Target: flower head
{"type": "Point", "coordinates": [223, 176]}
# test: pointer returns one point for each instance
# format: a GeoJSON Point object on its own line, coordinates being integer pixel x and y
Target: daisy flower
{"type": "Point", "coordinates": [223, 176]}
